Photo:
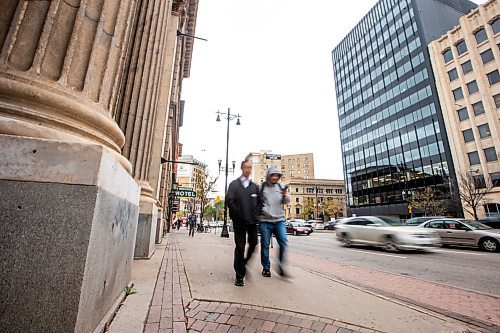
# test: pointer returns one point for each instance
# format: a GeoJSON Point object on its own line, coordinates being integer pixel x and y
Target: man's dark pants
{"type": "Point", "coordinates": [240, 238]}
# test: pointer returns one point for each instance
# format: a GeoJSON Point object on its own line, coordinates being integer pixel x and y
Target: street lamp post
{"type": "Point", "coordinates": [229, 117]}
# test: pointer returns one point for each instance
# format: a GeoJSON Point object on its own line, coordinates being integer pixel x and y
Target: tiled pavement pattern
{"type": "Point", "coordinates": [477, 309]}
{"type": "Point", "coordinates": [173, 310]}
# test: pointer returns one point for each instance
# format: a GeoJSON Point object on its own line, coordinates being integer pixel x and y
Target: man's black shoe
{"type": "Point", "coordinates": [266, 273]}
{"type": "Point", "coordinates": [239, 282]}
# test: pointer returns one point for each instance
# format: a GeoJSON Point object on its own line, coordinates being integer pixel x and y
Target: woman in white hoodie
{"type": "Point", "coordinates": [272, 220]}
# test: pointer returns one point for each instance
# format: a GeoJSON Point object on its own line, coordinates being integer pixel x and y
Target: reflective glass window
{"type": "Point", "coordinates": [473, 158]}
{"type": "Point", "coordinates": [493, 77]}
{"type": "Point", "coordinates": [480, 35]}
{"type": "Point", "coordinates": [495, 26]}
{"type": "Point", "coordinates": [495, 178]}
{"type": "Point", "coordinates": [478, 108]}
{"type": "Point", "coordinates": [453, 74]}
{"type": "Point", "coordinates": [496, 98]}
{"type": "Point", "coordinates": [468, 135]}
{"type": "Point", "coordinates": [472, 87]}
{"type": "Point", "coordinates": [462, 114]}
{"type": "Point", "coordinates": [458, 94]}
{"type": "Point", "coordinates": [447, 55]}
{"type": "Point", "coordinates": [490, 154]}
{"type": "Point", "coordinates": [487, 56]}
{"type": "Point", "coordinates": [484, 131]}
{"type": "Point", "coordinates": [461, 47]}
{"type": "Point", "coordinates": [467, 67]}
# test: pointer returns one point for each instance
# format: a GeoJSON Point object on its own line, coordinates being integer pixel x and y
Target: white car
{"type": "Point", "coordinates": [463, 232]}
{"type": "Point", "coordinates": [384, 232]}
{"type": "Point", "coordinates": [212, 224]}
{"type": "Point", "coordinates": [319, 226]}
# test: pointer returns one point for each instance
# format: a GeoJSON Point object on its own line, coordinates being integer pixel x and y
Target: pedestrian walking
{"type": "Point", "coordinates": [192, 224]}
{"type": "Point", "coordinates": [272, 220]}
{"type": "Point", "coordinates": [179, 222]}
{"type": "Point", "coordinates": [242, 200]}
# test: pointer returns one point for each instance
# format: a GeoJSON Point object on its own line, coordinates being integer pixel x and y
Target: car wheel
{"type": "Point", "coordinates": [489, 245]}
{"type": "Point", "coordinates": [346, 241]}
{"type": "Point", "coordinates": [390, 245]}
{"type": "Point", "coordinates": [295, 232]}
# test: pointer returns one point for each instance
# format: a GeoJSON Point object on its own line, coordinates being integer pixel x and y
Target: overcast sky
{"type": "Point", "coordinates": [269, 61]}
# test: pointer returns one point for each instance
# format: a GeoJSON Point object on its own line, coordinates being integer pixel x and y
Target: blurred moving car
{"type": "Point", "coordinates": [330, 225]}
{"type": "Point", "coordinates": [421, 219]}
{"type": "Point", "coordinates": [463, 232]}
{"type": "Point", "coordinates": [384, 232]}
{"type": "Point", "coordinates": [492, 221]}
{"type": "Point", "coordinates": [297, 228]}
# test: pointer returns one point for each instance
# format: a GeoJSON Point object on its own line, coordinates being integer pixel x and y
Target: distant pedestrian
{"type": "Point", "coordinates": [179, 222]}
{"type": "Point", "coordinates": [242, 200]}
{"type": "Point", "coordinates": [272, 220]}
{"type": "Point", "coordinates": [192, 224]}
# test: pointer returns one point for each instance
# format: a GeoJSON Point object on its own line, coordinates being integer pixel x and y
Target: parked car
{"type": "Point", "coordinates": [384, 232]}
{"type": "Point", "coordinates": [319, 226]}
{"type": "Point", "coordinates": [330, 225]}
{"type": "Point", "coordinates": [492, 221]}
{"type": "Point", "coordinates": [212, 224]}
{"type": "Point", "coordinates": [309, 225]}
{"type": "Point", "coordinates": [297, 228]}
{"type": "Point", "coordinates": [463, 232]}
{"type": "Point", "coordinates": [421, 219]}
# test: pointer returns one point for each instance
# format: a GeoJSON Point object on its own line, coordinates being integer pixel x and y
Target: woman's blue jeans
{"type": "Point", "coordinates": [267, 229]}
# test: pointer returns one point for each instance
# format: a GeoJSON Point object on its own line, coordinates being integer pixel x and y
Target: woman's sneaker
{"type": "Point", "coordinates": [266, 272]}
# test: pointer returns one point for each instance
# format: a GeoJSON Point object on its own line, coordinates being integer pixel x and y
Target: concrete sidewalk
{"type": "Point", "coordinates": [194, 292]}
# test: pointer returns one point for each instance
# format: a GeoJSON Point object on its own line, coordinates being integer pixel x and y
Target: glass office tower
{"type": "Point", "coordinates": [391, 127]}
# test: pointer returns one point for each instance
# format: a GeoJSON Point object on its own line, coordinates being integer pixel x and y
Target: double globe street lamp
{"type": "Point", "coordinates": [228, 116]}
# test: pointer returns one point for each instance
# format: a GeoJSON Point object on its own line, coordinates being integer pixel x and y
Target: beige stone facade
{"type": "Point", "coordinates": [466, 64]}
{"type": "Point", "coordinates": [300, 166]}
{"type": "Point", "coordinates": [192, 176]}
{"type": "Point", "coordinates": [89, 84]}
{"type": "Point", "coordinates": [315, 195]}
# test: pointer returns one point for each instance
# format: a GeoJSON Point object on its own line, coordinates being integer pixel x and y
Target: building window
{"type": "Point", "coordinates": [479, 181]}
{"type": "Point", "coordinates": [473, 158]}
{"type": "Point", "coordinates": [478, 108]}
{"type": "Point", "coordinates": [297, 210]}
{"type": "Point", "coordinates": [492, 209]}
{"type": "Point", "coordinates": [458, 94]}
{"type": "Point", "coordinates": [296, 189]}
{"type": "Point", "coordinates": [484, 131]}
{"type": "Point", "coordinates": [468, 135]}
{"type": "Point", "coordinates": [461, 47]}
{"type": "Point", "coordinates": [480, 35]}
{"type": "Point", "coordinates": [447, 55]}
{"type": "Point", "coordinates": [495, 178]}
{"type": "Point", "coordinates": [472, 87]}
{"type": "Point", "coordinates": [496, 98]}
{"type": "Point", "coordinates": [462, 114]}
{"type": "Point", "coordinates": [453, 74]}
{"type": "Point", "coordinates": [490, 154]}
{"type": "Point", "coordinates": [493, 77]}
{"type": "Point", "coordinates": [487, 56]}
{"type": "Point", "coordinates": [310, 190]}
{"type": "Point", "coordinates": [495, 26]}
{"type": "Point", "coordinates": [467, 67]}
{"type": "Point", "coordinates": [296, 199]}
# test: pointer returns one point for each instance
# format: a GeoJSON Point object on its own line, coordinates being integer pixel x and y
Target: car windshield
{"type": "Point", "coordinates": [476, 225]}
{"type": "Point", "coordinates": [392, 221]}
{"type": "Point", "coordinates": [296, 224]}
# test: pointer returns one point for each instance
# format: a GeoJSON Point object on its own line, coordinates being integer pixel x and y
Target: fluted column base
{"type": "Point", "coordinates": [146, 225]}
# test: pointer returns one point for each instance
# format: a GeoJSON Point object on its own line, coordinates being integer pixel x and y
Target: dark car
{"type": "Point", "coordinates": [330, 225]}
{"type": "Point", "coordinates": [421, 219]}
{"type": "Point", "coordinates": [492, 221]}
{"type": "Point", "coordinates": [297, 228]}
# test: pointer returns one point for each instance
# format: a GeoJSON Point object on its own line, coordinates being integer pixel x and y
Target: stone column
{"type": "Point", "coordinates": [69, 204]}
{"type": "Point", "coordinates": [142, 113]}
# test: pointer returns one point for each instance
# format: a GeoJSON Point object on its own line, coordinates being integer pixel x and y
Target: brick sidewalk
{"type": "Point", "coordinates": [474, 308]}
{"type": "Point", "coordinates": [173, 310]}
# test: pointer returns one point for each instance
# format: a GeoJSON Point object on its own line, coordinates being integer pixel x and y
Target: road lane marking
{"type": "Point", "coordinates": [379, 254]}
{"type": "Point", "coordinates": [460, 252]}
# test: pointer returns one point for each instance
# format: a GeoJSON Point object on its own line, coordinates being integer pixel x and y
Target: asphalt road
{"type": "Point", "coordinates": [457, 267]}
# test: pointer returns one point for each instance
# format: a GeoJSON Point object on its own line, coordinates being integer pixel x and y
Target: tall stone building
{"type": "Point", "coordinates": [89, 104]}
{"type": "Point", "coordinates": [299, 166]}
{"type": "Point", "coordinates": [392, 131]}
{"type": "Point", "coordinates": [466, 61]}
